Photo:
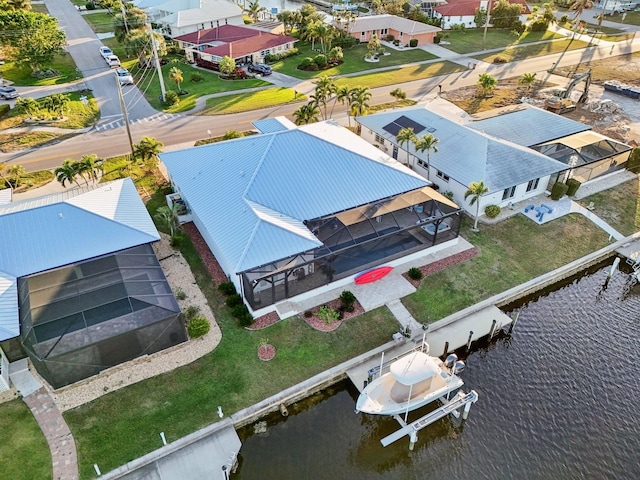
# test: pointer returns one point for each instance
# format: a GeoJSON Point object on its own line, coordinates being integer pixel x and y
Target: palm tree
{"type": "Point", "coordinates": [397, 94]}
{"type": "Point", "coordinates": [486, 83]}
{"type": "Point", "coordinates": [175, 75]}
{"type": "Point", "coordinates": [406, 136]}
{"type": "Point", "coordinates": [579, 6]}
{"type": "Point", "coordinates": [325, 89]}
{"type": "Point", "coordinates": [527, 79]}
{"type": "Point", "coordinates": [359, 102]}
{"type": "Point", "coordinates": [341, 95]}
{"type": "Point", "coordinates": [147, 151]}
{"type": "Point", "coordinates": [475, 191]}
{"type": "Point", "coordinates": [306, 114]}
{"type": "Point", "coordinates": [254, 10]}
{"type": "Point", "coordinates": [68, 172]}
{"type": "Point", "coordinates": [90, 167]}
{"type": "Point", "coordinates": [426, 143]}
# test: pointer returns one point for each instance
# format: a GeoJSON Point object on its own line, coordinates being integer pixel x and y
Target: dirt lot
{"type": "Point", "coordinates": [618, 117]}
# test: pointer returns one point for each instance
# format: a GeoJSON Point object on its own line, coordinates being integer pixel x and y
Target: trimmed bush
{"type": "Point", "coordinates": [227, 288]}
{"type": "Point", "coordinates": [414, 273]}
{"type": "Point", "coordinates": [191, 312]}
{"type": "Point", "coordinates": [4, 109]}
{"type": "Point", "coordinates": [492, 211]}
{"type": "Point", "coordinates": [245, 319]}
{"type": "Point", "coordinates": [413, 42]}
{"type": "Point", "coordinates": [306, 63]}
{"type": "Point", "coordinates": [390, 38]}
{"type": "Point", "coordinates": [572, 186]}
{"type": "Point", "coordinates": [320, 60]}
{"type": "Point", "coordinates": [90, 6]}
{"type": "Point", "coordinates": [499, 59]}
{"type": "Point", "coordinates": [347, 300]}
{"type": "Point", "coordinates": [558, 190]}
{"type": "Point", "coordinates": [308, 314]}
{"type": "Point", "coordinates": [198, 327]}
{"type": "Point", "coordinates": [196, 77]}
{"type": "Point", "coordinates": [172, 98]}
{"type": "Point", "coordinates": [437, 39]}
{"type": "Point", "coordinates": [273, 58]}
{"type": "Point", "coordinates": [233, 300]}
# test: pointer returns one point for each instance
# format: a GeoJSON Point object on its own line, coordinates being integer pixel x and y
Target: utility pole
{"type": "Point", "coordinates": [125, 116]}
{"type": "Point", "coordinates": [163, 92]}
{"type": "Point", "coordinates": [486, 25]}
{"type": "Point", "coordinates": [124, 19]}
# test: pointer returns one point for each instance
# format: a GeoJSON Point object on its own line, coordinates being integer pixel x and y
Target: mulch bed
{"type": "Point", "coordinates": [264, 321]}
{"type": "Point", "coordinates": [435, 267]}
{"type": "Point", "coordinates": [266, 352]}
{"type": "Point", "coordinates": [209, 261]}
{"type": "Point", "coordinates": [316, 322]}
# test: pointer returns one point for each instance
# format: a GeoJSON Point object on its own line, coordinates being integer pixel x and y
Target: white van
{"type": "Point", "coordinates": [112, 61]}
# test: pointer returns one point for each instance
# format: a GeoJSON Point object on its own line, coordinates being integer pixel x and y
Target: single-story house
{"type": "Point", "coordinates": [179, 17]}
{"type": "Point", "coordinates": [403, 29]}
{"type": "Point", "coordinates": [294, 209]}
{"type": "Point", "coordinates": [462, 12]}
{"type": "Point", "coordinates": [242, 44]}
{"type": "Point", "coordinates": [517, 154]}
{"type": "Point", "coordinates": [81, 289]}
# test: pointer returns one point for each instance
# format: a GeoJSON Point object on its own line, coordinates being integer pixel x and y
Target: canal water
{"type": "Point", "coordinates": [559, 399]}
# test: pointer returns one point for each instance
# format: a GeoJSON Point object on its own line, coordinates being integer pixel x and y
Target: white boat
{"type": "Point", "coordinates": [412, 382]}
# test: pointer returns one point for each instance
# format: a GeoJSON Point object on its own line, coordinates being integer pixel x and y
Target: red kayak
{"type": "Point", "coordinates": [372, 275]}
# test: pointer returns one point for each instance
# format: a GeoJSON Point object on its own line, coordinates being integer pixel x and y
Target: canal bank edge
{"type": "Point", "coordinates": [335, 374]}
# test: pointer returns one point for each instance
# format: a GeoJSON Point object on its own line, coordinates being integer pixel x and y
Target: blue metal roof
{"type": "Point", "coordinates": [467, 155]}
{"type": "Point", "coordinates": [529, 126]}
{"type": "Point", "coordinates": [253, 194]}
{"type": "Point", "coordinates": [272, 125]}
{"type": "Point", "coordinates": [48, 232]}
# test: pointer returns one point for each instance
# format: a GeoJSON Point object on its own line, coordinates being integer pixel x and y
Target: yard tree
{"type": "Point", "coordinates": [288, 18]}
{"type": "Point", "coordinates": [28, 105]}
{"type": "Point", "coordinates": [325, 33]}
{"type": "Point", "coordinates": [394, 7]}
{"type": "Point", "coordinates": [175, 75]}
{"type": "Point", "coordinates": [111, 5]}
{"type": "Point", "coordinates": [406, 137]}
{"type": "Point", "coordinates": [579, 6]}
{"type": "Point", "coordinates": [480, 17]}
{"type": "Point", "coordinates": [374, 44]}
{"type": "Point", "coordinates": [137, 44]}
{"type": "Point", "coordinates": [335, 54]}
{"type": "Point", "coordinates": [30, 38]}
{"type": "Point", "coordinates": [147, 151]}
{"type": "Point", "coordinates": [359, 101]}
{"type": "Point", "coordinates": [527, 79]}
{"type": "Point", "coordinates": [486, 83]}
{"type": "Point", "coordinates": [505, 14]}
{"type": "Point", "coordinates": [55, 103]}
{"type": "Point", "coordinates": [308, 113]}
{"type": "Point", "coordinates": [342, 96]}
{"type": "Point", "coordinates": [90, 167]}
{"type": "Point", "coordinates": [310, 33]}
{"type": "Point", "coordinates": [254, 10]}
{"type": "Point", "coordinates": [12, 175]}
{"type": "Point", "coordinates": [134, 19]}
{"type": "Point", "coordinates": [325, 89]}
{"type": "Point", "coordinates": [397, 94]}
{"type": "Point", "coordinates": [227, 65]}
{"type": "Point", "coordinates": [426, 143]}
{"type": "Point", "coordinates": [67, 173]}
{"type": "Point", "coordinates": [15, 4]}
{"type": "Point", "coordinates": [475, 191]}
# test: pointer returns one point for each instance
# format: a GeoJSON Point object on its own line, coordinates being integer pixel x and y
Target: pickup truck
{"type": "Point", "coordinates": [105, 52]}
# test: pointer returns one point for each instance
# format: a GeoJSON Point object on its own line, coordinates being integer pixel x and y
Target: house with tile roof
{"type": "Point", "coordinates": [462, 12]}
{"type": "Point", "coordinates": [243, 44]}
{"type": "Point", "coordinates": [179, 17]}
{"type": "Point", "coordinates": [295, 210]}
{"type": "Point", "coordinates": [81, 289]}
{"type": "Point", "coordinates": [403, 29]}
{"type": "Point", "coordinates": [518, 153]}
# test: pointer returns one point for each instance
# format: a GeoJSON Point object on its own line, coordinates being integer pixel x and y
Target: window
{"type": "Point", "coordinates": [379, 139]}
{"type": "Point", "coordinates": [362, 34]}
{"type": "Point", "coordinates": [442, 176]}
{"type": "Point", "coordinates": [532, 185]}
{"type": "Point", "coordinates": [508, 193]}
{"type": "Point", "coordinates": [384, 31]}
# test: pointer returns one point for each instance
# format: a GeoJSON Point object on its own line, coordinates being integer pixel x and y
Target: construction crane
{"type": "Point", "coordinates": [561, 103]}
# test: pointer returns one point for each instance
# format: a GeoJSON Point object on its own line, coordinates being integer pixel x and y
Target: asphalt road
{"type": "Point", "coordinates": [182, 130]}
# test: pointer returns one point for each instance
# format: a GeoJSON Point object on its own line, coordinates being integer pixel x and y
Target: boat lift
{"type": "Point", "coordinates": [461, 400]}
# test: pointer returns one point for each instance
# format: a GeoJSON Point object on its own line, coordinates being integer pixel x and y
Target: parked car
{"type": "Point", "coordinates": [7, 93]}
{"type": "Point", "coordinates": [260, 68]}
{"type": "Point", "coordinates": [105, 52]}
{"type": "Point", "coordinates": [112, 61]}
{"type": "Point", "coordinates": [124, 77]}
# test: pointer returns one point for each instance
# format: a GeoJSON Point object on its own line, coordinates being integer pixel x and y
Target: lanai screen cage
{"type": "Point", "coordinates": [80, 319]}
{"type": "Point", "coordinates": [355, 240]}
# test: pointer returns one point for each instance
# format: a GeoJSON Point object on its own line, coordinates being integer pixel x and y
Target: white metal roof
{"type": "Point", "coordinates": [253, 194]}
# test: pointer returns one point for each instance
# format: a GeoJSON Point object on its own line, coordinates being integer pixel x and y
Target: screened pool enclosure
{"type": "Point", "coordinates": [355, 240]}
{"type": "Point", "coordinates": [82, 318]}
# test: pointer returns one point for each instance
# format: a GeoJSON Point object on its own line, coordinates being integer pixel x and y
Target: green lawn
{"type": "Point", "coordinates": [21, 75]}
{"type": "Point", "coordinates": [353, 61]}
{"type": "Point", "coordinates": [101, 22]}
{"type": "Point", "coordinates": [10, 142]}
{"type": "Point", "coordinates": [618, 206]}
{"type": "Point", "coordinates": [470, 40]}
{"type": "Point", "coordinates": [530, 51]}
{"type": "Point", "coordinates": [631, 18]}
{"type": "Point", "coordinates": [211, 83]}
{"type": "Point", "coordinates": [24, 455]}
{"type": "Point", "coordinates": [399, 75]}
{"type": "Point", "coordinates": [510, 253]}
{"type": "Point", "coordinates": [245, 102]}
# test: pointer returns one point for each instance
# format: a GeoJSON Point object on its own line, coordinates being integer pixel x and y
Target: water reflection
{"type": "Point", "coordinates": [557, 401]}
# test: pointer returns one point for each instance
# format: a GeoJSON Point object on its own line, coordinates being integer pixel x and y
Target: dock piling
{"type": "Point", "coordinates": [492, 331]}
{"type": "Point", "coordinates": [413, 439]}
{"type": "Point", "coordinates": [446, 348]}
{"type": "Point", "coordinates": [470, 340]}
{"type": "Point", "coordinates": [513, 323]}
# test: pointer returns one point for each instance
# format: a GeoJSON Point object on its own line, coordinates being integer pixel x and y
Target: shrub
{"type": "Point", "coordinates": [180, 295]}
{"type": "Point", "coordinates": [239, 310]}
{"type": "Point", "coordinates": [306, 63]}
{"type": "Point", "coordinates": [196, 77]}
{"type": "Point", "coordinates": [390, 38]}
{"type": "Point", "coordinates": [172, 98]}
{"type": "Point", "coordinates": [539, 25]}
{"type": "Point", "coordinates": [492, 211]}
{"type": "Point", "coordinates": [328, 314]}
{"type": "Point", "coordinates": [308, 314]}
{"type": "Point", "coordinates": [564, 19]}
{"type": "Point", "coordinates": [177, 241]}
{"type": "Point", "coordinates": [4, 109]}
{"type": "Point", "coordinates": [396, 42]}
{"type": "Point", "coordinates": [227, 288]}
{"type": "Point", "coordinates": [191, 312]}
{"type": "Point", "coordinates": [413, 42]}
{"type": "Point", "coordinates": [320, 60]}
{"type": "Point", "coordinates": [90, 6]}
{"type": "Point", "coordinates": [558, 190]}
{"type": "Point", "coordinates": [275, 57]}
{"type": "Point", "coordinates": [198, 327]}
{"type": "Point", "coordinates": [448, 194]}
{"type": "Point", "coordinates": [437, 39]}
{"type": "Point", "coordinates": [414, 273]}
{"type": "Point", "coordinates": [572, 186]}
{"type": "Point", "coordinates": [233, 300]}
{"type": "Point", "coordinates": [499, 59]}
{"type": "Point", "coordinates": [633, 164]}
{"type": "Point", "coordinates": [347, 300]}
{"type": "Point", "coordinates": [245, 320]}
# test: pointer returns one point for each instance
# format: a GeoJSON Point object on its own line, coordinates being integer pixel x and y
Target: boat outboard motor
{"type": "Point", "coordinates": [458, 367]}
{"type": "Point", "coordinates": [450, 360]}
